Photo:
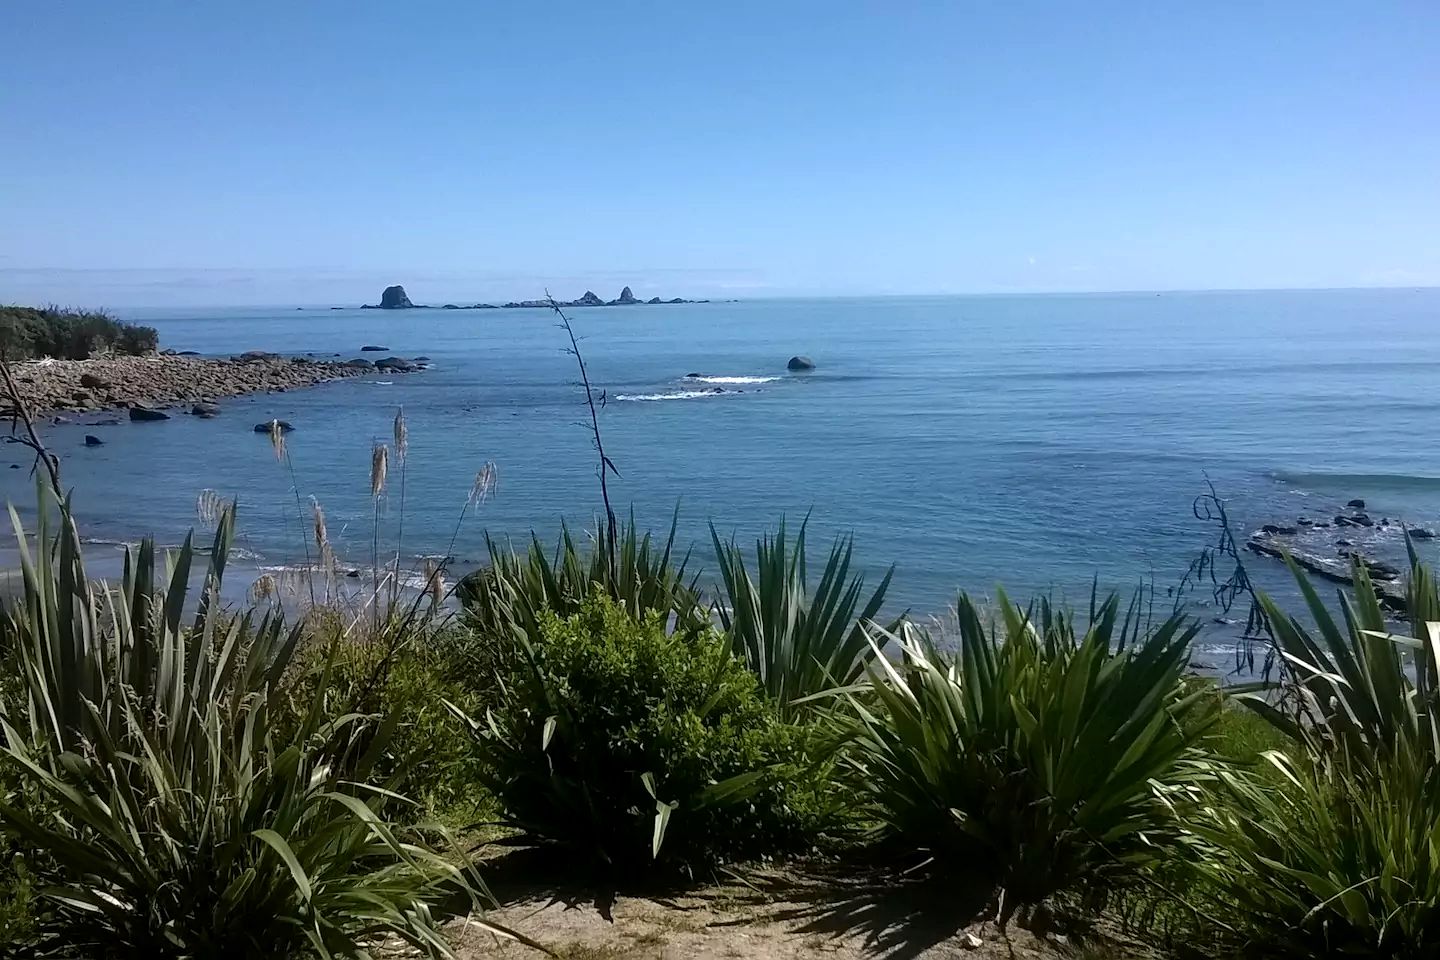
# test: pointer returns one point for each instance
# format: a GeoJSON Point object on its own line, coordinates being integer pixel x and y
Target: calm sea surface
{"type": "Point", "coordinates": [1035, 441]}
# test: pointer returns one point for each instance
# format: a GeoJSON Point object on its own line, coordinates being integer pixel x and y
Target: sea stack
{"type": "Point", "coordinates": [394, 298]}
{"type": "Point", "coordinates": [626, 297]}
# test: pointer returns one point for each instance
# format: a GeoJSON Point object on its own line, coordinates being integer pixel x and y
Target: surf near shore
{"type": "Point", "coordinates": [111, 383]}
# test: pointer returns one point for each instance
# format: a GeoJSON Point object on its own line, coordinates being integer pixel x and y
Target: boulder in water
{"type": "Point", "coordinates": [93, 441]}
{"type": "Point", "coordinates": [205, 410]}
{"type": "Point", "coordinates": [284, 425]}
{"type": "Point", "coordinates": [1421, 533]}
{"type": "Point", "coordinates": [145, 414]}
{"type": "Point", "coordinates": [1357, 503]}
{"type": "Point", "coordinates": [397, 364]}
{"type": "Point", "coordinates": [371, 348]}
{"type": "Point", "coordinates": [800, 363]}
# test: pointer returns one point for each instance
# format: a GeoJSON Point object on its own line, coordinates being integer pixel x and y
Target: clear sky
{"type": "Point", "coordinates": [310, 152]}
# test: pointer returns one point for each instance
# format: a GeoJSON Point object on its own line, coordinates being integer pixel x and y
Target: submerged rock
{"type": "Point", "coordinates": [1421, 533]}
{"type": "Point", "coordinates": [93, 441]}
{"type": "Point", "coordinates": [800, 363]}
{"type": "Point", "coordinates": [1357, 503]}
{"type": "Point", "coordinates": [398, 364]}
{"type": "Point", "coordinates": [285, 426]}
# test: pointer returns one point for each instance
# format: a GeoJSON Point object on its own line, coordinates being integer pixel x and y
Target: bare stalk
{"type": "Point", "coordinates": [606, 465]}
{"type": "Point", "coordinates": [20, 415]}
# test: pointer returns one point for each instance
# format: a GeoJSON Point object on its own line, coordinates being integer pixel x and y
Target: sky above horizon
{"type": "Point", "coordinates": [175, 153]}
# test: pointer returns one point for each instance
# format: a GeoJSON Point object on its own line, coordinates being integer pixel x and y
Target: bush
{"type": "Point", "coordinates": [627, 743]}
{"type": "Point", "coordinates": [173, 821]}
{"type": "Point", "coordinates": [406, 672]}
{"type": "Point", "coordinates": [32, 332]}
{"type": "Point", "coordinates": [1039, 759]}
{"type": "Point", "coordinates": [1334, 852]}
{"type": "Point", "coordinates": [1330, 862]}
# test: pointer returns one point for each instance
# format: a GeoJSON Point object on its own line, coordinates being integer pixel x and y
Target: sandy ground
{"type": "Point", "coordinates": [773, 915]}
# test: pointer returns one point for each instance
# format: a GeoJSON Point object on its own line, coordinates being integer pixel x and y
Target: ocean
{"type": "Point", "coordinates": [1037, 442]}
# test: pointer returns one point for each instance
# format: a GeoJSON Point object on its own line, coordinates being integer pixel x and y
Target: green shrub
{"type": "Point", "coordinates": [172, 821]}
{"type": "Point", "coordinates": [1336, 850]}
{"type": "Point", "coordinates": [406, 672]}
{"type": "Point", "coordinates": [798, 642]}
{"type": "Point", "coordinates": [627, 743]}
{"type": "Point", "coordinates": [32, 332]}
{"type": "Point", "coordinates": [1038, 759]}
{"type": "Point", "coordinates": [1328, 862]}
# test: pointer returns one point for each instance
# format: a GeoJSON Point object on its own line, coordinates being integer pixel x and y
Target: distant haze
{"type": "Point", "coordinates": [273, 153]}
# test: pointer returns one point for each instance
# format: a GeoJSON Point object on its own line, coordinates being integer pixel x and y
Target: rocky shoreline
{"type": "Point", "coordinates": [155, 382]}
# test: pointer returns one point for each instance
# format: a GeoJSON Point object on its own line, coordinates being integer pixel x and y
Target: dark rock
{"type": "Point", "coordinates": [93, 441]}
{"type": "Point", "coordinates": [626, 297]}
{"type": "Point", "coordinates": [1343, 521]}
{"type": "Point", "coordinates": [60, 420]}
{"type": "Point", "coordinates": [1362, 520]}
{"type": "Point", "coordinates": [394, 299]}
{"type": "Point", "coordinates": [451, 306]}
{"type": "Point", "coordinates": [589, 300]}
{"type": "Point", "coordinates": [14, 466]}
{"type": "Point", "coordinates": [1421, 533]}
{"type": "Point", "coordinates": [677, 300]}
{"type": "Point", "coordinates": [188, 353]}
{"type": "Point", "coordinates": [1277, 529]}
{"type": "Point", "coordinates": [422, 359]}
{"type": "Point", "coordinates": [358, 362]}
{"type": "Point", "coordinates": [285, 426]}
{"type": "Point", "coordinates": [108, 422]}
{"type": "Point", "coordinates": [371, 348]}
{"type": "Point", "coordinates": [800, 363]}
{"type": "Point", "coordinates": [694, 376]}
{"type": "Point", "coordinates": [1304, 522]}
{"type": "Point", "coordinates": [167, 352]}
{"type": "Point", "coordinates": [146, 414]}
{"type": "Point", "coordinates": [1357, 503]}
{"type": "Point", "coordinates": [92, 381]}
{"type": "Point", "coordinates": [353, 574]}
{"type": "Point", "coordinates": [1342, 542]}
{"type": "Point", "coordinates": [654, 300]}
{"type": "Point", "coordinates": [206, 410]}
{"type": "Point", "coordinates": [250, 356]}
{"type": "Point", "coordinates": [397, 364]}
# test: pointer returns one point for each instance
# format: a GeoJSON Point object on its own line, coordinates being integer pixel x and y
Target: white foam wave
{"type": "Point", "coordinates": [678, 395]}
{"type": "Point", "coordinates": [731, 379]}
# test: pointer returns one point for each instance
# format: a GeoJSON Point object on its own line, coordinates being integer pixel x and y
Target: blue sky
{"type": "Point", "coordinates": [202, 153]}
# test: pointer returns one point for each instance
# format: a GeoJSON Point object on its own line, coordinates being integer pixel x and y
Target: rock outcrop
{"type": "Point", "coordinates": [625, 298]}
{"type": "Point", "coordinates": [589, 300]}
{"type": "Point", "coordinates": [800, 363]}
{"type": "Point", "coordinates": [145, 414]}
{"type": "Point", "coordinates": [394, 298]}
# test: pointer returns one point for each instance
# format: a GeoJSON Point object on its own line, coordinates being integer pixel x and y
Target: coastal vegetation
{"type": "Point", "coordinates": [28, 333]}
{"type": "Point", "coordinates": [326, 768]}
{"type": "Point", "coordinates": [183, 778]}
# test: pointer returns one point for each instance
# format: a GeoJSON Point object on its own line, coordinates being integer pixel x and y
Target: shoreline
{"type": "Point", "coordinates": [97, 385]}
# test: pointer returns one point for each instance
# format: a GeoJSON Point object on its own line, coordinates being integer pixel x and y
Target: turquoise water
{"type": "Point", "coordinates": [1031, 440]}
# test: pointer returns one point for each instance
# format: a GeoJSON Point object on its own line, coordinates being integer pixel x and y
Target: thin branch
{"type": "Point", "coordinates": [19, 414]}
{"type": "Point", "coordinates": [606, 465]}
